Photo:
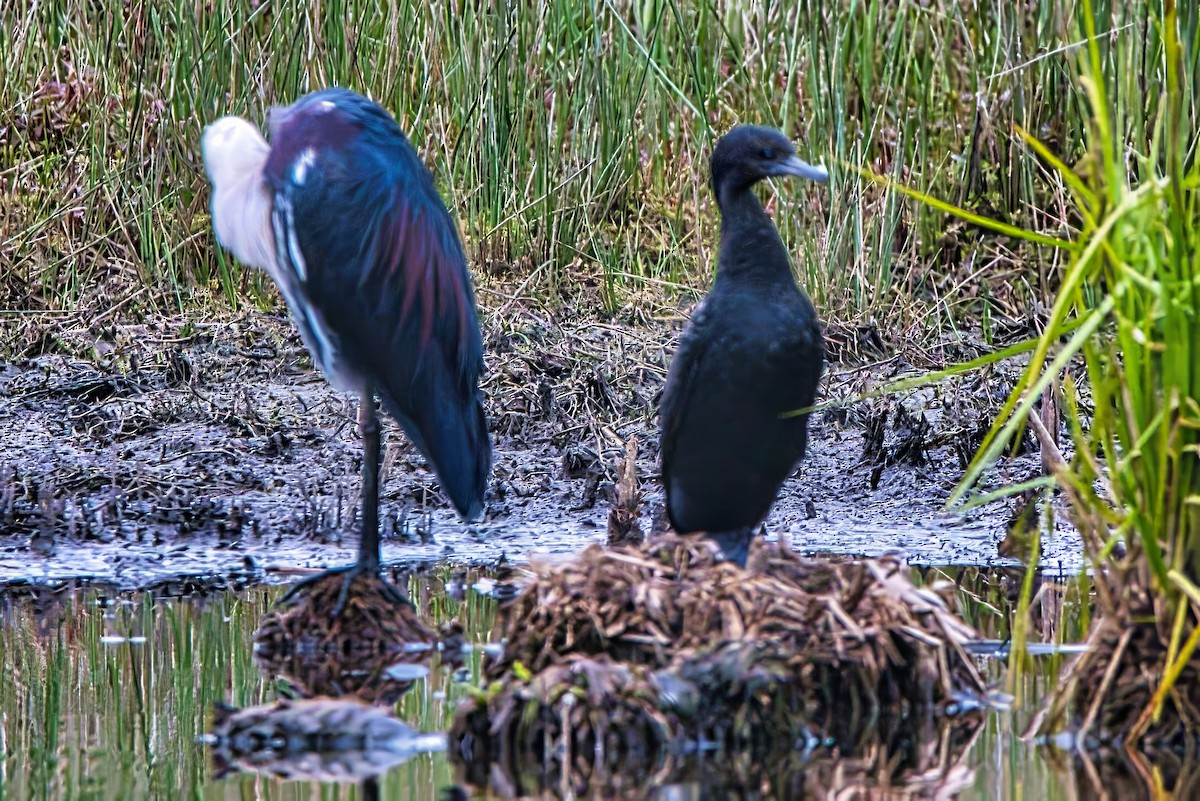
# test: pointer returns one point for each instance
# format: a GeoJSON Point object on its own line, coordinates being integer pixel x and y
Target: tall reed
{"type": "Point", "coordinates": [572, 139]}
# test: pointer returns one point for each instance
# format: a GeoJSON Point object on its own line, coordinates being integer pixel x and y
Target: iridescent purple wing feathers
{"type": "Point", "coordinates": [371, 265]}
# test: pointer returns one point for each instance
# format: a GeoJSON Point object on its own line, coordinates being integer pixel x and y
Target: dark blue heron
{"type": "Point", "coordinates": [752, 352]}
{"type": "Point", "coordinates": [345, 218]}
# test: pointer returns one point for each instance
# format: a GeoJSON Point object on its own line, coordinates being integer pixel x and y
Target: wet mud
{"type": "Point", "coordinates": [136, 455]}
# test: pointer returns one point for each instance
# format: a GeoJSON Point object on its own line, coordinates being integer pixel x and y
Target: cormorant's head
{"type": "Point", "coordinates": [749, 153]}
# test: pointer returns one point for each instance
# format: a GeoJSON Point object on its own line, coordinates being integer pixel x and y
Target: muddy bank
{"type": "Point", "coordinates": [133, 454]}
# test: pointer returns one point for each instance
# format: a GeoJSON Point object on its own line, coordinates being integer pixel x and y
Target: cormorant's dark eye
{"type": "Point", "coordinates": [768, 153]}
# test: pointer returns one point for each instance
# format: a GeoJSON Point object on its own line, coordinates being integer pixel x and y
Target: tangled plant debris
{"type": "Point", "coordinates": [624, 654]}
{"type": "Point", "coordinates": [355, 653]}
{"type": "Point", "coordinates": [1107, 692]}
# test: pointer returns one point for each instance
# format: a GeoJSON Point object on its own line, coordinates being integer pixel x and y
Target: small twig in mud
{"type": "Point", "coordinates": [293, 570]}
{"type": "Point", "coordinates": [622, 518]}
{"type": "Point", "coordinates": [51, 508]}
{"type": "Point", "coordinates": [910, 444]}
{"type": "Point", "coordinates": [391, 451]}
{"type": "Point", "coordinates": [1044, 426]}
{"type": "Point", "coordinates": [8, 494]}
{"type": "Point", "coordinates": [912, 437]}
{"type": "Point", "coordinates": [1051, 413]}
{"type": "Point", "coordinates": [873, 453]}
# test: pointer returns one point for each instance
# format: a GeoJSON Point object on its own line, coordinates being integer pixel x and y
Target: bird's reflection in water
{"type": "Point", "coordinates": [341, 676]}
{"type": "Point", "coordinates": [323, 739]}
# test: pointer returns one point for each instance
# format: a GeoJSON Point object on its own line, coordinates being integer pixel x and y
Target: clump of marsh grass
{"type": "Point", "coordinates": [1129, 305]}
{"type": "Point", "coordinates": [1134, 286]}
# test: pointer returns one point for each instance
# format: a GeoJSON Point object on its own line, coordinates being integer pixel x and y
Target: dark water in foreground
{"type": "Point", "coordinates": [104, 697]}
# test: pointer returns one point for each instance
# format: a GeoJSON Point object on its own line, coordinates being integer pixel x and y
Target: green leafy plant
{"type": "Point", "coordinates": [1128, 307]}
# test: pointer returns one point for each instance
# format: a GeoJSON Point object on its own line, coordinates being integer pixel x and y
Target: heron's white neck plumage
{"type": "Point", "coordinates": [234, 156]}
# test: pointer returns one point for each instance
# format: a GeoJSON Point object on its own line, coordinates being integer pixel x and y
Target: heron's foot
{"type": "Point", "coordinates": [734, 545]}
{"type": "Point", "coordinates": [313, 587]}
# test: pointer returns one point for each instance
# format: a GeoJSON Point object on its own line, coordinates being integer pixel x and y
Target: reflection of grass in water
{"type": "Point", "coordinates": [86, 719]}
{"type": "Point", "coordinates": [83, 718]}
{"type": "Point", "coordinates": [987, 599]}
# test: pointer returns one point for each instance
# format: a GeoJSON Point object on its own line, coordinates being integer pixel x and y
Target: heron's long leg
{"type": "Point", "coordinates": [368, 544]}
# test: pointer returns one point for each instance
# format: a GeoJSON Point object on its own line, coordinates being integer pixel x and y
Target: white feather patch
{"type": "Point", "coordinates": [288, 272]}
{"type": "Point", "coordinates": [234, 155]}
{"type": "Point", "coordinates": [303, 163]}
{"type": "Point", "coordinates": [295, 255]}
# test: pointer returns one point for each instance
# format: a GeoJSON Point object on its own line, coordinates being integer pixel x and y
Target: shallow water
{"type": "Point", "coordinates": [89, 709]}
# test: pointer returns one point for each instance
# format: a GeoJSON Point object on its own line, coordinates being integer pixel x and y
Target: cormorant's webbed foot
{"type": "Point", "coordinates": [735, 545]}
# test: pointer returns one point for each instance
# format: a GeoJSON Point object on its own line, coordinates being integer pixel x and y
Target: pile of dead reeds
{"type": "Point", "coordinates": [631, 651]}
{"type": "Point", "coordinates": [354, 653]}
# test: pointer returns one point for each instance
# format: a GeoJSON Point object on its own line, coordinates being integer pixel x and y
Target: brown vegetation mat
{"type": "Point", "coordinates": [620, 656]}
{"type": "Point", "coordinates": [355, 653]}
{"type": "Point", "coordinates": [671, 599]}
{"type": "Point", "coordinates": [607, 729]}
